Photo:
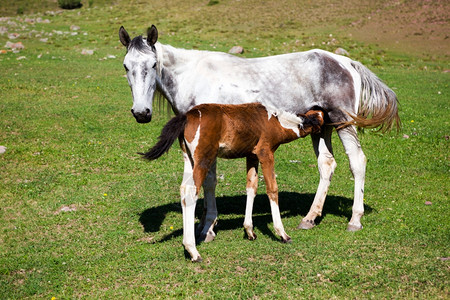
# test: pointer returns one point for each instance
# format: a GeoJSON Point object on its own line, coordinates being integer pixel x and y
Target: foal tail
{"type": "Point", "coordinates": [171, 131]}
{"type": "Point", "coordinates": [378, 105]}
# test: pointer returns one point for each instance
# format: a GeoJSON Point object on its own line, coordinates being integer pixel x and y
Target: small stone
{"type": "Point", "coordinates": [428, 203]}
{"type": "Point", "coordinates": [2, 149]}
{"type": "Point", "coordinates": [87, 52]}
{"type": "Point", "coordinates": [341, 51]}
{"type": "Point", "coordinates": [68, 208]}
{"type": "Point", "coordinates": [13, 36]}
{"type": "Point", "coordinates": [14, 46]}
{"type": "Point", "coordinates": [74, 27]}
{"type": "Point", "coordinates": [236, 50]}
{"type": "Point", "coordinates": [405, 136]}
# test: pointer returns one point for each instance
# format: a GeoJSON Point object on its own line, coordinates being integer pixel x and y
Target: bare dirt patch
{"type": "Point", "coordinates": [416, 27]}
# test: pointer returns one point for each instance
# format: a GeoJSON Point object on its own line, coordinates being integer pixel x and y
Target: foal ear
{"type": "Point", "coordinates": [124, 37]}
{"type": "Point", "coordinates": [152, 35]}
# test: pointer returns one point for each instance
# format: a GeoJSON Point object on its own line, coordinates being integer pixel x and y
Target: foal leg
{"type": "Point", "coordinates": [326, 164]}
{"type": "Point", "coordinates": [267, 165]}
{"type": "Point", "coordinates": [209, 217]}
{"type": "Point", "coordinates": [357, 161]}
{"type": "Point", "coordinates": [252, 185]}
{"type": "Point", "coordinates": [189, 195]}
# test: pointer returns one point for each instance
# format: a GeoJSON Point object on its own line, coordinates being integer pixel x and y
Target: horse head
{"type": "Point", "coordinates": [140, 65]}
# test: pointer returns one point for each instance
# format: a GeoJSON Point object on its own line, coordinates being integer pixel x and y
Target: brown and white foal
{"type": "Point", "coordinates": [253, 131]}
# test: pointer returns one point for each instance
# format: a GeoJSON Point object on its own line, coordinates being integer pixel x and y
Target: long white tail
{"type": "Point", "coordinates": [378, 107]}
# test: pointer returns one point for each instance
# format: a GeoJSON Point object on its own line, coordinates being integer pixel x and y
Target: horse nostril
{"type": "Point", "coordinates": [147, 111]}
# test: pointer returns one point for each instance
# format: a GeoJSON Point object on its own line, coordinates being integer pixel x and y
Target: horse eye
{"type": "Point", "coordinates": [154, 66]}
{"type": "Point", "coordinates": [126, 69]}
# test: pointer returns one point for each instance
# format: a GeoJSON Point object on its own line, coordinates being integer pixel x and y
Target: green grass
{"type": "Point", "coordinates": [72, 143]}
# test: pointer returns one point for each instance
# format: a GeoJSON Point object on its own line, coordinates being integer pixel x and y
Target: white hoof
{"type": "Point", "coordinates": [306, 224]}
{"type": "Point", "coordinates": [353, 228]}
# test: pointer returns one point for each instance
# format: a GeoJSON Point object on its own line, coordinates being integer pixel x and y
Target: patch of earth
{"type": "Point", "coordinates": [419, 27]}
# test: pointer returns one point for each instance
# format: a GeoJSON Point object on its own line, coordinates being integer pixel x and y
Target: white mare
{"type": "Point", "coordinates": [350, 94]}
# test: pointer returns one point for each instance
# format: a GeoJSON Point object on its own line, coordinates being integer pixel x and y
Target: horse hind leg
{"type": "Point", "coordinates": [252, 185]}
{"type": "Point", "coordinates": [326, 165]}
{"type": "Point", "coordinates": [205, 230]}
{"type": "Point", "coordinates": [358, 162]}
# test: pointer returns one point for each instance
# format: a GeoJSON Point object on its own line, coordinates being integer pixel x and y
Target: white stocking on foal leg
{"type": "Point", "coordinates": [326, 164]}
{"type": "Point", "coordinates": [252, 185]}
{"type": "Point", "coordinates": [188, 193]}
{"type": "Point", "coordinates": [358, 162]}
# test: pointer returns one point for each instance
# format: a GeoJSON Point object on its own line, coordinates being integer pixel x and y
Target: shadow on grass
{"type": "Point", "coordinates": [291, 205]}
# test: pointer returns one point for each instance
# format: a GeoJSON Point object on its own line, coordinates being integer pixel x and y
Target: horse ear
{"type": "Point", "coordinates": [124, 37]}
{"type": "Point", "coordinates": [152, 35]}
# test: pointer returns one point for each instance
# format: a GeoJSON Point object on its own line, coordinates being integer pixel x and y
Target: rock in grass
{"type": "Point", "coordinates": [236, 50]}
{"type": "Point", "coordinates": [14, 46]}
{"type": "Point", "coordinates": [87, 52]}
{"type": "Point", "coordinates": [2, 149]}
{"type": "Point", "coordinates": [341, 51]}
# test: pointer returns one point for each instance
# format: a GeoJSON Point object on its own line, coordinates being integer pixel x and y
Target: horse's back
{"type": "Point", "coordinates": [295, 81]}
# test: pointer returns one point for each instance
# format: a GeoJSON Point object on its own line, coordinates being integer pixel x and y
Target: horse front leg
{"type": "Point", "coordinates": [358, 162]}
{"type": "Point", "coordinates": [205, 229]}
{"type": "Point", "coordinates": [252, 185]}
{"type": "Point", "coordinates": [326, 165]}
{"type": "Point", "coordinates": [189, 196]}
{"type": "Point", "coordinates": [267, 165]}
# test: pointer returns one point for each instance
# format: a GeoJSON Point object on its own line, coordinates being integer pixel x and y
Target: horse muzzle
{"type": "Point", "coordinates": [142, 116]}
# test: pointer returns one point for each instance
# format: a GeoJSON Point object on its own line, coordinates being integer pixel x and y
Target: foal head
{"type": "Point", "coordinates": [313, 121]}
{"type": "Point", "coordinates": [140, 64]}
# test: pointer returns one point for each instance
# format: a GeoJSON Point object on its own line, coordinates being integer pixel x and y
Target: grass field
{"type": "Point", "coordinates": [82, 216]}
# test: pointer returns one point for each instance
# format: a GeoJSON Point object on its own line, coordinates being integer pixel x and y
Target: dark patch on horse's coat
{"type": "Point", "coordinates": [337, 88]}
{"type": "Point", "coordinates": [254, 91]}
{"type": "Point", "coordinates": [192, 100]}
{"type": "Point", "coordinates": [144, 71]}
{"type": "Point", "coordinates": [167, 87]}
{"type": "Point", "coordinates": [211, 66]}
{"type": "Point", "coordinates": [171, 58]}
{"type": "Point", "coordinates": [168, 80]}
